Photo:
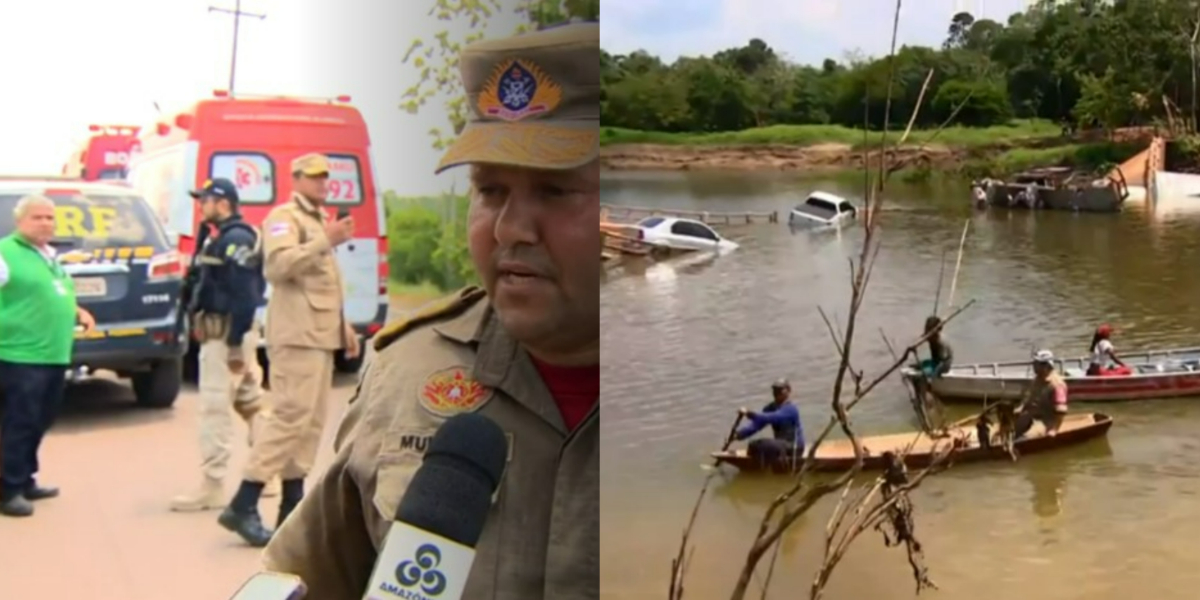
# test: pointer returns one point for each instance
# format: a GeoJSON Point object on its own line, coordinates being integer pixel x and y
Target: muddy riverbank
{"type": "Point", "coordinates": [1085, 152]}
{"type": "Point", "coordinates": [773, 157]}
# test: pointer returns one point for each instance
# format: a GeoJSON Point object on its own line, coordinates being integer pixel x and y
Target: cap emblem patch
{"type": "Point", "coordinates": [518, 89]}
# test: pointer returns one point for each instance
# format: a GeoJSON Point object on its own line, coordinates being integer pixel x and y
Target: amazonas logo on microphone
{"type": "Point", "coordinates": [419, 577]}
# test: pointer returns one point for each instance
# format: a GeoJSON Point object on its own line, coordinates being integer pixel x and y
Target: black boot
{"type": "Point", "coordinates": [242, 518]}
{"type": "Point", "coordinates": [16, 505]}
{"type": "Point", "coordinates": [293, 493]}
{"type": "Point", "coordinates": [36, 492]}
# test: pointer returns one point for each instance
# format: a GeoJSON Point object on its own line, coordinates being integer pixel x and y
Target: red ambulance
{"type": "Point", "coordinates": [252, 140]}
{"type": "Point", "coordinates": [104, 155]}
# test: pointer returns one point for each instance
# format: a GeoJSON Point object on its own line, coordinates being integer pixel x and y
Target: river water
{"type": "Point", "coordinates": [687, 343]}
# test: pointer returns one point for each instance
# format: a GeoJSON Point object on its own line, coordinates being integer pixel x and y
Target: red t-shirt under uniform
{"type": "Point", "coordinates": [575, 389]}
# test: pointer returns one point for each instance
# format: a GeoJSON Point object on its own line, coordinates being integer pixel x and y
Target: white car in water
{"type": "Point", "coordinates": [682, 234]}
{"type": "Point", "coordinates": [822, 210]}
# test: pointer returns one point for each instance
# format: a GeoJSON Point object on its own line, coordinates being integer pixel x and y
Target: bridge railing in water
{"type": "Point", "coordinates": [617, 211]}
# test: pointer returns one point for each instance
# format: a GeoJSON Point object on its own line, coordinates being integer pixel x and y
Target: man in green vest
{"type": "Point", "coordinates": [38, 316]}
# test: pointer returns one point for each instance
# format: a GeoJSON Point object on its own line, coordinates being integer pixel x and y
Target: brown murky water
{"type": "Point", "coordinates": [685, 345]}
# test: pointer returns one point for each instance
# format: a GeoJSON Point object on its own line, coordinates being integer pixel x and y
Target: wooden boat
{"type": "Point", "coordinates": [1173, 373]}
{"type": "Point", "coordinates": [838, 455]}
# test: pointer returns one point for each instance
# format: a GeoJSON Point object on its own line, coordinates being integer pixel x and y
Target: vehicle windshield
{"type": "Point", "coordinates": [91, 220]}
{"type": "Point", "coordinates": [650, 222]}
{"type": "Point", "coordinates": [816, 207]}
{"type": "Point", "coordinates": [821, 203]}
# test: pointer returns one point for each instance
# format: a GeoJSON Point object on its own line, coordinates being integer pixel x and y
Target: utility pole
{"type": "Point", "coordinates": [237, 20]}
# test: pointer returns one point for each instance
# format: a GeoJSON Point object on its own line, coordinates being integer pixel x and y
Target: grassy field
{"type": "Point", "coordinates": [809, 135]}
{"type": "Point", "coordinates": [1094, 156]}
{"type": "Point", "coordinates": [407, 296]}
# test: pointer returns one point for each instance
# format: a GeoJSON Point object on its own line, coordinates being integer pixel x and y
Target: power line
{"type": "Point", "coordinates": [237, 13]}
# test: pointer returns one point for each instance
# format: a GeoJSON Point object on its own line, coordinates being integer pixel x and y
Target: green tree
{"type": "Point", "coordinates": [980, 104]}
{"type": "Point", "coordinates": [424, 247]}
{"type": "Point", "coordinates": [436, 57]}
{"type": "Point", "coordinates": [1102, 100]}
{"type": "Point", "coordinates": [414, 233]}
{"type": "Point", "coordinates": [1039, 63]}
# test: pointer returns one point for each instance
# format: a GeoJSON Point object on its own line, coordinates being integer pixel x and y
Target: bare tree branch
{"type": "Point", "coordinates": [886, 502]}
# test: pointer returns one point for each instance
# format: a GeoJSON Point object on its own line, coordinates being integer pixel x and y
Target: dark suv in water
{"type": "Point", "coordinates": [127, 274]}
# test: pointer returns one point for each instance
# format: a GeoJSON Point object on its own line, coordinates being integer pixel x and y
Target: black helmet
{"type": "Point", "coordinates": [781, 384]}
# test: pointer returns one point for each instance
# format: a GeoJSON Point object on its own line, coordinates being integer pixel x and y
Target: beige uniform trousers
{"type": "Point", "coordinates": [287, 445]}
{"type": "Point", "coordinates": [220, 390]}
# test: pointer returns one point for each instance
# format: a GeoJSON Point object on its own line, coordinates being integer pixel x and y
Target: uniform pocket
{"type": "Point", "coordinates": [398, 461]}
{"type": "Point", "coordinates": [322, 300]}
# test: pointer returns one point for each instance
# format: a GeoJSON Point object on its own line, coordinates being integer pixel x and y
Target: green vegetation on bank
{"type": "Point", "coordinates": [427, 243]}
{"type": "Point", "coordinates": [1070, 63]}
{"type": "Point", "coordinates": [1097, 156]}
{"type": "Point", "coordinates": [809, 135]}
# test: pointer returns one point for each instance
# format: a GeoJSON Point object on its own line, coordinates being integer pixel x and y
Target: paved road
{"type": "Point", "coordinates": [110, 536]}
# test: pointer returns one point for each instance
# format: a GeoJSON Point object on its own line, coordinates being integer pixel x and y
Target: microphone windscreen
{"type": "Point", "coordinates": [451, 493]}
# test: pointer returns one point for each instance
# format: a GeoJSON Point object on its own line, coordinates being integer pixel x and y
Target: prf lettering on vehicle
{"type": "Point", "coordinates": [69, 221]}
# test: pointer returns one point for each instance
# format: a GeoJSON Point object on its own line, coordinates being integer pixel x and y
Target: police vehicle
{"type": "Point", "coordinates": [127, 274]}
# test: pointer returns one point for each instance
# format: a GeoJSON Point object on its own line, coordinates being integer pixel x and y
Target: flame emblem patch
{"type": "Point", "coordinates": [451, 391]}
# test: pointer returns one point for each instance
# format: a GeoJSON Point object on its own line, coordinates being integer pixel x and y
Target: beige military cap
{"type": "Point", "coordinates": [534, 100]}
{"type": "Point", "coordinates": [311, 164]}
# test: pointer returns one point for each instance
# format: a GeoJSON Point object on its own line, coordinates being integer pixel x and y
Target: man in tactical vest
{"type": "Point", "coordinates": [222, 307]}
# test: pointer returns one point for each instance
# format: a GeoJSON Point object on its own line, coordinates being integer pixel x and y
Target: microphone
{"type": "Point", "coordinates": [271, 586]}
{"type": "Point", "coordinates": [428, 551]}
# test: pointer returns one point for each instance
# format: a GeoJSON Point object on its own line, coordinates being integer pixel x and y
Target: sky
{"type": "Point", "coordinates": [71, 63]}
{"type": "Point", "coordinates": [806, 31]}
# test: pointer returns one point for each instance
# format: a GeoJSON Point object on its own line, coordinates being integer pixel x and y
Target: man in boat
{"type": "Point", "coordinates": [941, 356]}
{"type": "Point", "coordinates": [1027, 197]}
{"type": "Point", "coordinates": [1104, 354]}
{"type": "Point", "coordinates": [978, 194]}
{"type": "Point", "coordinates": [784, 418]}
{"type": "Point", "coordinates": [1045, 400]}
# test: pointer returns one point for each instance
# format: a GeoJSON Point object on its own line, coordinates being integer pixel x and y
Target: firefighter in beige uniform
{"type": "Point", "coordinates": [525, 353]}
{"type": "Point", "coordinates": [305, 326]}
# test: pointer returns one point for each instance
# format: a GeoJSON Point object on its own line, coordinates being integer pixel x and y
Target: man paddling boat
{"type": "Point", "coordinates": [784, 418]}
{"type": "Point", "coordinates": [1046, 399]}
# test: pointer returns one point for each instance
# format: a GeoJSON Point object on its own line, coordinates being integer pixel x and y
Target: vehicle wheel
{"type": "Point", "coordinates": [347, 365]}
{"type": "Point", "coordinates": [158, 387]}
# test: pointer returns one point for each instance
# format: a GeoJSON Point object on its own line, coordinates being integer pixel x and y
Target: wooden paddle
{"type": "Point", "coordinates": [729, 439]}
{"type": "Point", "coordinates": [733, 431]}
{"type": "Point", "coordinates": [987, 407]}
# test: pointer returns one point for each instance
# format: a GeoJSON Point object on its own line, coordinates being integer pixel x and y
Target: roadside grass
{"type": "Point", "coordinates": [407, 296]}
